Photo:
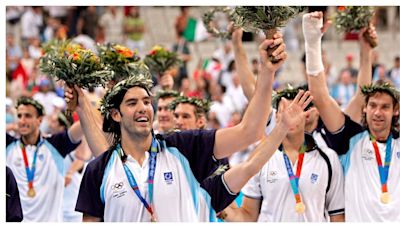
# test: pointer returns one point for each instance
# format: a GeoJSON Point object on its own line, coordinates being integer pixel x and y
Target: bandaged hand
{"type": "Point", "coordinates": [312, 24]}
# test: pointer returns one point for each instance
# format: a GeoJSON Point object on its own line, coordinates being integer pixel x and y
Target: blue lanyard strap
{"type": "Point", "coordinates": [150, 180]}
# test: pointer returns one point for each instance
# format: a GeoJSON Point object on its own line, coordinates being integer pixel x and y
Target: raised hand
{"type": "Point", "coordinates": [362, 37]}
{"type": "Point", "coordinates": [294, 113]}
{"type": "Point", "coordinates": [279, 54]}
{"type": "Point", "coordinates": [167, 81]}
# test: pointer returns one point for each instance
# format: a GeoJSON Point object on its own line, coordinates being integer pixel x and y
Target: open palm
{"type": "Point", "coordinates": [294, 113]}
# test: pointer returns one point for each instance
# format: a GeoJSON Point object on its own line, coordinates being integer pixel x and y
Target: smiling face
{"type": "Point", "coordinates": [135, 113]}
{"type": "Point", "coordinates": [28, 120]}
{"type": "Point", "coordinates": [379, 113]}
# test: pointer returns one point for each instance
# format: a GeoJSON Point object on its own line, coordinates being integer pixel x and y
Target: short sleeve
{"type": "Point", "coordinates": [335, 195]}
{"type": "Point", "coordinates": [198, 147]}
{"type": "Point", "coordinates": [13, 202]}
{"type": "Point", "coordinates": [339, 140]}
{"type": "Point", "coordinates": [62, 143]}
{"type": "Point", "coordinates": [221, 196]}
{"type": "Point", "coordinates": [89, 201]}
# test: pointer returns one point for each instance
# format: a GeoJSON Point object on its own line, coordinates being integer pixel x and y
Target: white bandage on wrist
{"type": "Point", "coordinates": [312, 36]}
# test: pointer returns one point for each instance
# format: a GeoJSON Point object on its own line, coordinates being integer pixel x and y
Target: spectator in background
{"type": "Point", "coordinates": [353, 71]}
{"type": "Point", "coordinates": [225, 77]}
{"type": "Point", "coordinates": [111, 24]}
{"type": "Point", "coordinates": [344, 90]}
{"type": "Point", "coordinates": [134, 29]}
{"type": "Point", "coordinates": [46, 95]}
{"type": "Point", "coordinates": [182, 49]}
{"type": "Point", "coordinates": [218, 105]}
{"type": "Point", "coordinates": [234, 96]}
{"type": "Point", "coordinates": [88, 22]}
{"type": "Point", "coordinates": [182, 20]}
{"type": "Point", "coordinates": [34, 49]}
{"type": "Point", "coordinates": [13, 53]}
{"type": "Point", "coordinates": [31, 24]}
{"type": "Point", "coordinates": [394, 73]}
{"type": "Point", "coordinates": [58, 12]}
{"type": "Point", "coordinates": [224, 54]}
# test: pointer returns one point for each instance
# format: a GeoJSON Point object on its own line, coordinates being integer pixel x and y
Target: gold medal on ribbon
{"type": "Point", "coordinates": [31, 192]}
{"type": "Point", "coordinates": [385, 198]}
{"type": "Point", "coordinates": [300, 207]}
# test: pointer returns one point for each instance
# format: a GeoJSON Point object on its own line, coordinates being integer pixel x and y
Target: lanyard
{"type": "Point", "coordinates": [150, 180]}
{"type": "Point", "coordinates": [294, 179]}
{"type": "Point", "coordinates": [30, 172]}
{"type": "Point", "coordinates": [383, 168]}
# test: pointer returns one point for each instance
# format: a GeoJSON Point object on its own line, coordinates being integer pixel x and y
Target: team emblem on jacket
{"type": "Point", "coordinates": [168, 177]}
{"type": "Point", "coordinates": [368, 155]}
{"type": "Point", "coordinates": [314, 178]}
{"type": "Point", "coordinates": [118, 190]}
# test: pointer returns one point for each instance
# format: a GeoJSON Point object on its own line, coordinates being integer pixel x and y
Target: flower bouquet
{"type": "Point", "coordinates": [159, 60]}
{"type": "Point", "coordinates": [265, 18]}
{"type": "Point", "coordinates": [119, 58]}
{"type": "Point", "coordinates": [71, 63]}
{"type": "Point", "coordinates": [354, 18]}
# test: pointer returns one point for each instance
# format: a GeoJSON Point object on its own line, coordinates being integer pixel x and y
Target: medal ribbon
{"type": "Point", "coordinates": [30, 172]}
{"type": "Point", "coordinates": [383, 169]}
{"type": "Point", "coordinates": [294, 179]}
{"type": "Point", "coordinates": [150, 180]}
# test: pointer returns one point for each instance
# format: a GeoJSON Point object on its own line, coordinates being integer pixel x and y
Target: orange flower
{"type": "Point", "coordinates": [152, 52]}
{"type": "Point", "coordinates": [75, 56]}
{"type": "Point", "coordinates": [341, 8]}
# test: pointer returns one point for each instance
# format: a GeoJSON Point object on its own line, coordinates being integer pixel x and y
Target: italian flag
{"type": "Point", "coordinates": [195, 30]}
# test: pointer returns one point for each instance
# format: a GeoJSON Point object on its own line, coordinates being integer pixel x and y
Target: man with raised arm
{"type": "Point", "coordinates": [118, 185]}
{"type": "Point", "coordinates": [369, 151]}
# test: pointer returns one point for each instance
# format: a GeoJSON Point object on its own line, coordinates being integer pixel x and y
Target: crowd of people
{"type": "Point", "coordinates": [231, 147]}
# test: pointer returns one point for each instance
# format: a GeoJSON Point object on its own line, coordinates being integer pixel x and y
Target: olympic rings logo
{"type": "Point", "coordinates": [117, 186]}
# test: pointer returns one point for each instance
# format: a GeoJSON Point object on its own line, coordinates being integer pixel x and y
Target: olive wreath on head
{"type": "Point", "coordinates": [202, 104]}
{"type": "Point", "coordinates": [209, 17]}
{"type": "Point", "coordinates": [30, 101]}
{"type": "Point", "coordinates": [385, 87]}
{"type": "Point", "coordinates": [289, 93]}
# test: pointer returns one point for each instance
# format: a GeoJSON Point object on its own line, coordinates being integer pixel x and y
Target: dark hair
{"type": "Point", "coordinates": [29, 101]}
{"type": "Point", "coordinates": [290, 94]}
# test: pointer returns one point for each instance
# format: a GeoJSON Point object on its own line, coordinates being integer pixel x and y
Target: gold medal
{"type": "Point", "coordinates": [31, 192]}
{"type": "Point", "coordinates": [385, 198]}
{"type": "Point", "coordinates": [300, 207]}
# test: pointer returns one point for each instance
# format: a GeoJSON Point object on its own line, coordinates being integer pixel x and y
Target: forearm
{"type": "Point", "coordinates": [235, 214]}
{"type": "Point", "coordinates": [364, 77]}
{"type": "Point", "coordinates": [337, 218]}
{"type": "Point", "coordinates": [247, 79]}
{"type": "Point", "coordinates": [91, 127]}
{"type": "Point", "coordinates": [239, 175]}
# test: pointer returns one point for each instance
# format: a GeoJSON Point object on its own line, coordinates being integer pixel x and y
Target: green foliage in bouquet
{"type": "Point", "coordinates": [255, 18]}
{"type": "Point", "coordinates": [159, 59]}
{"type": "Point", "coordinates": [71, 63]}
{"type": "Point", "coordinates": [354, 18]}
{"type": "Point", "coordinates": [119, 59]}
{"type": "Point", "coordinates": [265, 18]}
